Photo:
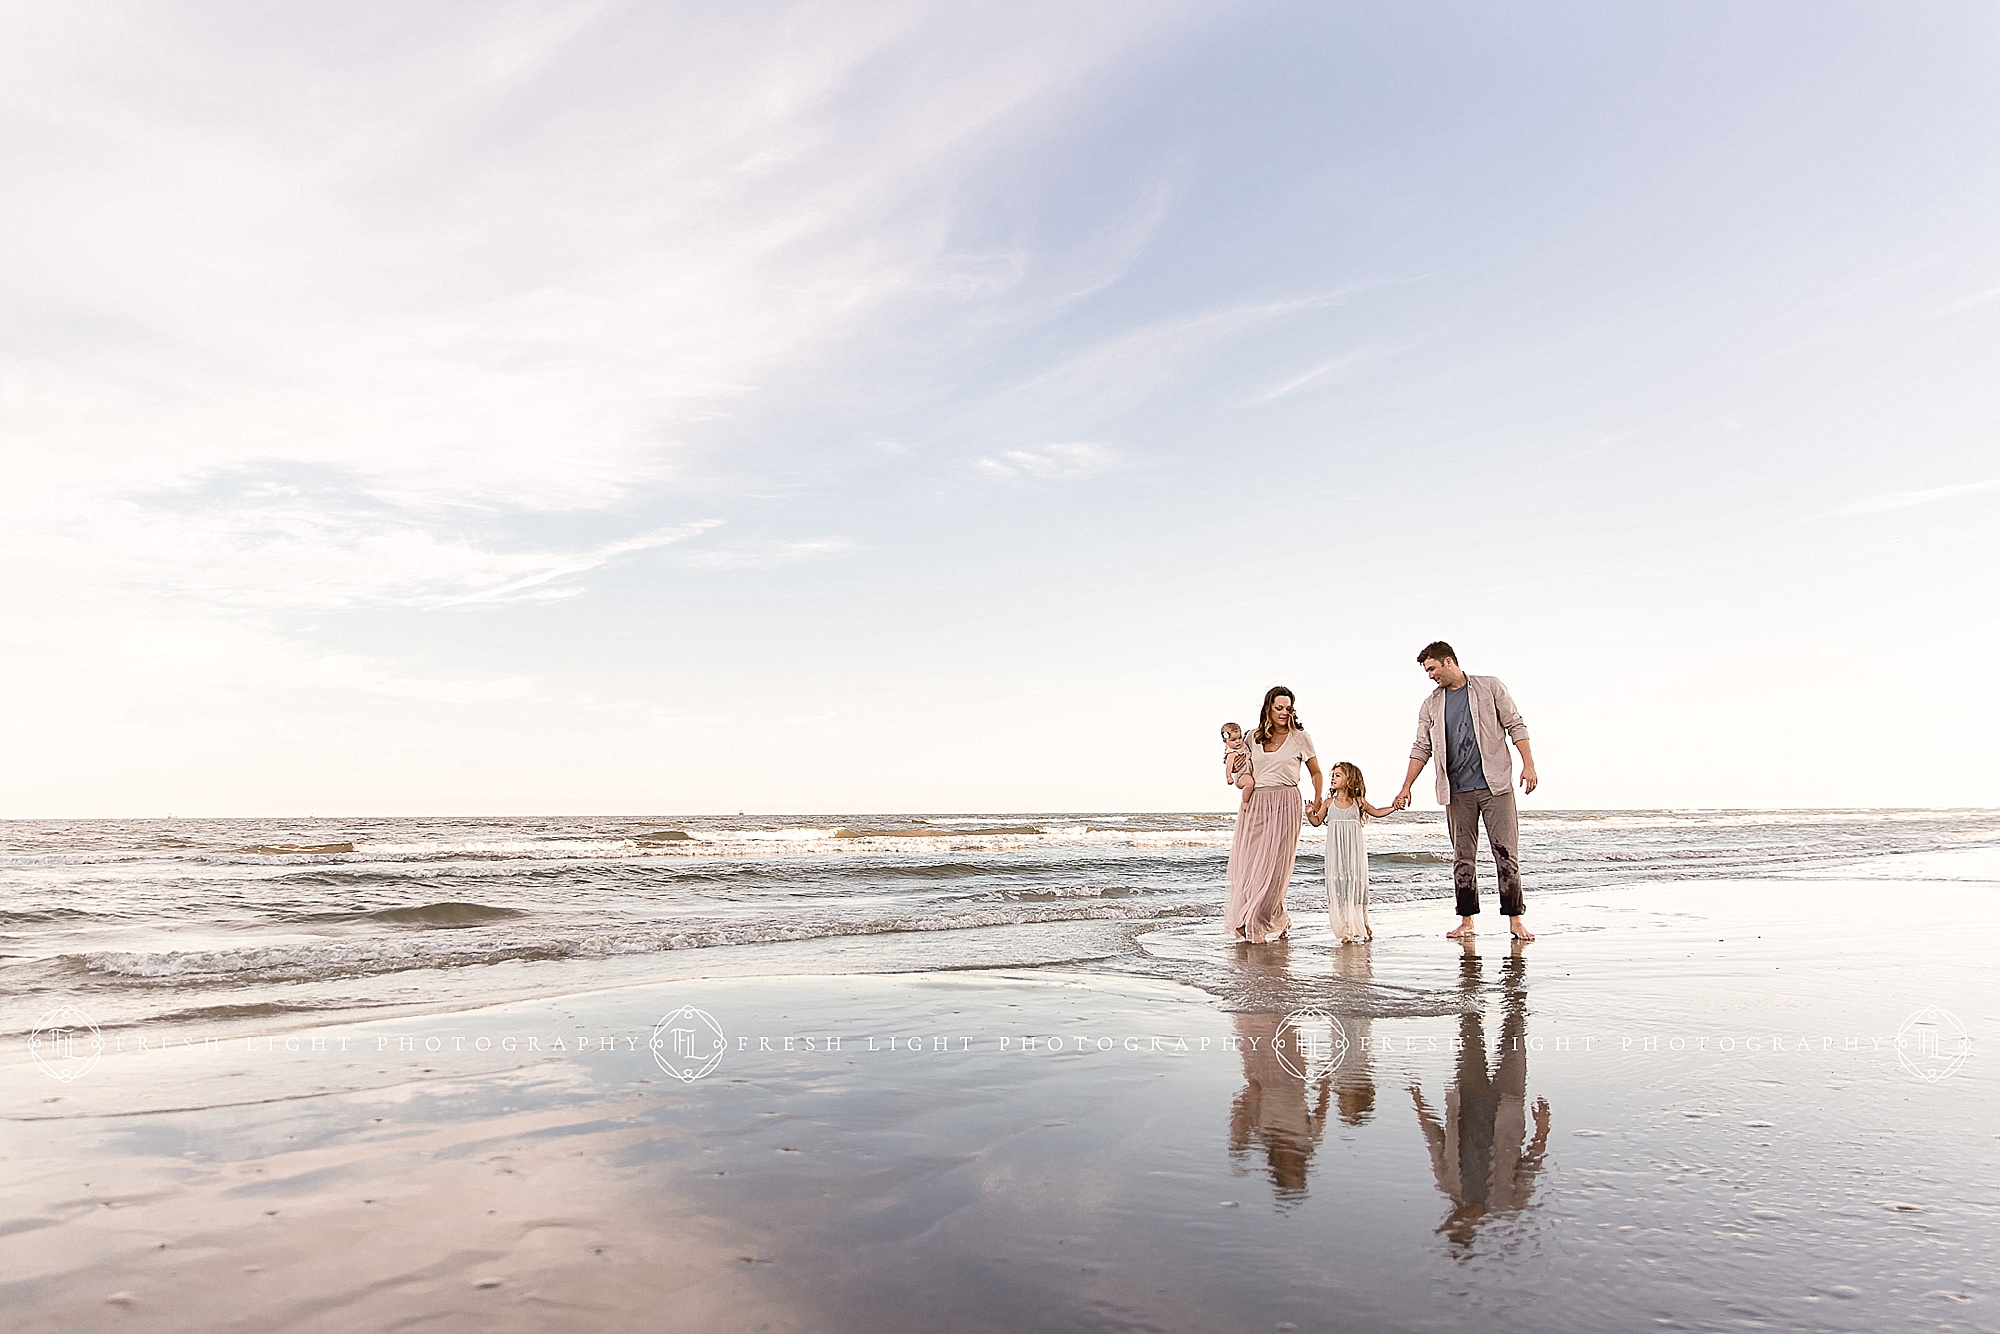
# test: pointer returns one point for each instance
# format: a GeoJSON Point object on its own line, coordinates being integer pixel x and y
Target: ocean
{"type": "Point", "coordinates": [993, 1073]}
{"type": "Point", "coordinates": [246, 920]}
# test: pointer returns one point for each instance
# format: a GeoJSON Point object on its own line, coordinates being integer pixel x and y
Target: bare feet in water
{"type": "Point", "coordinates": [1464, 930]}
{"type": "Point", "coordinates": [1518, 931]}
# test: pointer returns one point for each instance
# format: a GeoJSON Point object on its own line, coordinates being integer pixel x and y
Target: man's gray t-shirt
{"type": "Point", "coordinates": [1461, 742]}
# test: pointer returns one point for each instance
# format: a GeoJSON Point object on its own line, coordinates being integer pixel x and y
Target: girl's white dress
{"type": "Point", "coordinates": [1346, 872]}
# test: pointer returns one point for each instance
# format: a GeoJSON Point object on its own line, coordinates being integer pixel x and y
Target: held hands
{"type": "Point", "coordinates": [1402, 801]}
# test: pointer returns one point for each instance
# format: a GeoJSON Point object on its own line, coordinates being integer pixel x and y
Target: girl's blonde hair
{"type": "Point", "coordinates": [1357, 786]}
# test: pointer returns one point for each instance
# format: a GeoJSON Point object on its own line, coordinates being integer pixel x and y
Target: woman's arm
{"type": "Point", "coordinates": [1319, 783]}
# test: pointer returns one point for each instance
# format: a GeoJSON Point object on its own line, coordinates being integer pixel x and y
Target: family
{"type": "Point", "coordinates": [1464, 724]}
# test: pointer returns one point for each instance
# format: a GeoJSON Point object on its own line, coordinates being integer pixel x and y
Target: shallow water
{"type": "Point", "coordinates": [1683, 1108]}
{"type": "Point", "coordinates": [142, 919]}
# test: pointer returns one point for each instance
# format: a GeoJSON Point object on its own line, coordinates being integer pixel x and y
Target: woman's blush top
{"type": "Point", "coordinates": [1280, 767]}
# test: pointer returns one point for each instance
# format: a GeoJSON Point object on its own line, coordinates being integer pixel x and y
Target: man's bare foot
{"type": "Point", "coordinates": [1520, 932]}
{"type": "Point", "coordinates": [1464, 929]}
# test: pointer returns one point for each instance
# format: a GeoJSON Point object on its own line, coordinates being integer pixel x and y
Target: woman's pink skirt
{"type": "Point", "coordinates": [1260, 863]}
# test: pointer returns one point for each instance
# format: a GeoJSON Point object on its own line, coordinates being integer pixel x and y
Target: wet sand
{"type": "Point", "coordinates": [1682, 1108]}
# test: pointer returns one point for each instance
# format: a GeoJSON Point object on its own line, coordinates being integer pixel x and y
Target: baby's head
{"type": "Point", "coordinates": [1232, 735]}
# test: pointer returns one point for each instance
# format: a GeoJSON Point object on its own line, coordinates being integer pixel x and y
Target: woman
{"type": "Point", "coordinates": [1267, 825]}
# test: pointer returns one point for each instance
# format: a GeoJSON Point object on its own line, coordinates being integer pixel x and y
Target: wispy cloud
{"type": "Point", "coordinates": [768, 555]}
{"type": "Point", "coordinates": [1130, 367]}
{"type": "Point", "coordinates": [1963, 303]}
{"type": "Point", "coordinates": [554, 567]}
{"type": "Point", "coordinates": [268, 541]}
{"type": "Point", "coordinates": [1897, 500]}
{"type": "Point", "coordinates": [1042, 282]}
{"type": "Point", "coordinates": [1155, 349]}
{"type": "Point", "coordinates": [297, 669]}
{"type": "Point", "coordinates": [1050, 462]}
{"type": "Point", "coordinates": [1332, 371]}
{"type": "Point", "coordinates": [338, 313]}
{"type": "Point", "coordinates": [403, 267]}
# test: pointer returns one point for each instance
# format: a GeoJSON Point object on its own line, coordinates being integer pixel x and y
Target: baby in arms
{"type": "Point", "coordinates": [1236, 766]}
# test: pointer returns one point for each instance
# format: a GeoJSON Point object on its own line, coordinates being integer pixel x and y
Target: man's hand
{"type": "Point", "coordinates": [1402, 801]}
{"type": "Point", "coordinates": [1528, 779]}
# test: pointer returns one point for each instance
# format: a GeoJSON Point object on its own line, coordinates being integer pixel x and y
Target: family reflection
{"type": "Point", "coordinates": [1354, 1077]}
{"type": "Point", "coordinates": [1283, 1113]}
{"type": "Point", "coordinates": [1477, 1150]}
{"type": "Point", "coordinates": [1277, 1111]}
{"type": "Point", "coordinates": [1482, 1154]}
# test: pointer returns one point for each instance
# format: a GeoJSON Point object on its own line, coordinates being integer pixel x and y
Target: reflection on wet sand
{"type": "Point", "coordinates": [1276, 1111]}
{"type": "Point", "coordinates": [1281, 1111]}
{"type": "Point", "coordinates": [1476, 1148]}
{"type": "Point", "coordinates": [1354, 1078]}
{"type": "Point", "coordinates": [1481, 1154]}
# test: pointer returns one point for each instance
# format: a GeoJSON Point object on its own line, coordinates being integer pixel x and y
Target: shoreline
{"type": "Point", "coordinates": [669, 819]}
{"type": "Point", "coordinates": [1200, 1187]}
{"type": "Point", "coordinates": [1163, 942]}
{"type": "Point", "coordinates": [429, 916]}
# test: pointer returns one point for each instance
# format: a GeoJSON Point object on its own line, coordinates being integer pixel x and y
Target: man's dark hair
{"type": "Point", "coordinates": [1438, 649]}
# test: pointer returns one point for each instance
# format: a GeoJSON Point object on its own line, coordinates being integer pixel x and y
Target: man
{"type": "Point", "coordinates": [1477, 1148]}
{"type": "Point", "coordinates": [1466, 723]}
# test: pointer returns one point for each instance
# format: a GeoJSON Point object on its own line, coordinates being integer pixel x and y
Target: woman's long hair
{"type": "Point", "coordinates": [1357, 786]}
{"type": "Point", "coordinates": [1266, 729]}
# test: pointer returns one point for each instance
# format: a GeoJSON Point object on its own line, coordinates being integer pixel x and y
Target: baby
{"type": "Point", "coordinates": [1236, 766]}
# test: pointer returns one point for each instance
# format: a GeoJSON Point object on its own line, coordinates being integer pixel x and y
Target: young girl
{"type": "Point", "coordinates": [1347, 851]}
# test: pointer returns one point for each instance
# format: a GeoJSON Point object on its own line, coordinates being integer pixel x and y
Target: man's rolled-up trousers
{"type": "Point", "coordinates": [1462, 817]}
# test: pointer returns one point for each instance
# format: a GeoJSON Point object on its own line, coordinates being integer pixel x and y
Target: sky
{"type": "Point", "coordinates": [623, 408]}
